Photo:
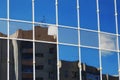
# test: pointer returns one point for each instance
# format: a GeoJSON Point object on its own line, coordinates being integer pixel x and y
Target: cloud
{"type": "Point", "coordinates": [107, 42]}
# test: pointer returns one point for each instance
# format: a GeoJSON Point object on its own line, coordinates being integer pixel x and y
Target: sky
{"type": "Point", "coordinates": [67, 15]}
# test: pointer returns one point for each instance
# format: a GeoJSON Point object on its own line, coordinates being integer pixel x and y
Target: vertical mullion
{"type": "Point", "coordinates": [117, 34]}
{"type": "Point", "coordinates": [98, 24]}
{"type": "Point", "coordinates": [33, 21]}
{"type": "Point", "coordinates": [8, 25]}
{"type": "Point", "coordinates": [58, 63]}
{"type": "Point", "coordinates": [79, 49]}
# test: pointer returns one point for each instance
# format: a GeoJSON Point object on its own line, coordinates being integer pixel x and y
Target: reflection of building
{"type": "Point", "coordinates": [21, 59]}
{"type": "Point", "coordinates": [69, 70]}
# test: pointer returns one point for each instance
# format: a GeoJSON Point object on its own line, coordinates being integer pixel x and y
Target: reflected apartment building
{"type": "Point", "coordinates": [21, 59]}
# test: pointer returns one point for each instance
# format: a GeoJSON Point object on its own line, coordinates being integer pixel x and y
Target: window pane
{"type": "Point", "coordinates": [68, 56]}
{"type": "Point", "coordinates": [21, 9]}
{"type": "Point", "coordinates": [68, 53]}
{"type": "Point", "coordinates": [107, 17]}
{"type": "Point", "coordinates": [21, 60]}
{"type": "Point", "coordinates": [90, 64]}
{"type": "Point", "coordinates": [88, 16]}
{"type": "Point", "coordinates": [110, 65]}
{"type": "Point", "coordinates": [89, 38]}
{"type": "Point", "coordinates": [90, 57]}
{"type": "Point", "coordinates": [118, 9]}
{"type": "Point", "coordinates": [45, 32]}
{"type": "Point", "coordinates": [67, 35]}
{"type": "Point", "coordinates": [3, 28]}
{"type": "Point", "coordinates": [45, 11]}
{"type": "Point", "coordinates": [21, 30]}
{"type": "Point", "coordinates": [3, 8]}
{"type": "Point", "coordinates": [67, 12]}
{"type": "Point", "coordinates": [108, 41]}
{"type": "Point", "coordinates": [3, 59]}
{"type": "Point", "coordinates": [46, 66]}
{"type": "Point", "coordinates": [69, 70]}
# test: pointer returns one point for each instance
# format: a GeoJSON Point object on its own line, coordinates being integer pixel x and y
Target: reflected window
{"type": "Point", "coordinates": [46, 64]}
{"type": "Point", "coordinates": [21, 60]}
{"type": "Point", "coordinates": [3, 59]}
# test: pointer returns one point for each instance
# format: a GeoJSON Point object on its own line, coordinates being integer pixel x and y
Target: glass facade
{"type": "Point", "coordinates": [59, 40]}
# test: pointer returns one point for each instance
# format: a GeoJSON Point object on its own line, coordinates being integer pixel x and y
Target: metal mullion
{"type": "Point", "coordinates": [117, 34]}
{"type": "Point", "coordinates": [98, 24]}
{"type": "Point", "coordinates": [58, 64]}
{"type": "Point", "coordinates": [79, 49]}
{"type": "Point", "coordinates": [8, 25]}
{"type": "Point", "coordinates": [33, 22]}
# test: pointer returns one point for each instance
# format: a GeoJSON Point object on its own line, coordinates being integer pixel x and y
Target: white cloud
{"type": "Point", "coordinates": [107, 42]}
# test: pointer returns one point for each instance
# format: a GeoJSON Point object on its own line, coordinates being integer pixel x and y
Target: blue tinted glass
{"type": "Point", "coordinates": [3, 28]}
{"type": "Point", "coordinates": [107, 18]}
{"type": "Point", "coordinates": [90, 57]}
{"type": "Point", "coordinates": [67, 35]}
{"type": "Point", "coordinates": [21, 9]}
{"type": "Point", "coordinates": [3, 8]}
{"type": "Point", "coordinates": [67, 12]}
{"type": "Point", "coordinates": [118, 9]}
{"type": "Point", "coordinates": [89, 38]}
{"type": "Point", "coordinates": [108, 41]}
{"type": "Point", "coordinates": [45, 11]}
{"type": "Point", "coordinates": [68, 53]}
{"type": "Point", "coordinates": [109, 63]}
{"type": "Point", "coordinates": [88, 16]}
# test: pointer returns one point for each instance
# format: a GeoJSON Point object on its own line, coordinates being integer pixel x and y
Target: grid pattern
{"type": "Point", "coordinates": [105, 41]}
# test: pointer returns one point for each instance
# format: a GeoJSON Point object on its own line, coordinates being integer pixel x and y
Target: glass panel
{"type": "Point", "coordinates": [3, 8]}
{"type": "Point", "coordinates": [68, 53]}
{"type": "Point", "coordinates": [68, 57]}
{"type": "Point", "coordinates": [118, 9]}
{"type": "Point", "coordinates": [21, 9]}
{"type": "Point", "coordinates": [3, 59]}
{"type": "Point", "coordinates": [67, 35]}
{"type": "Point", "coordinates": [89, 38]}
{"type": "Point", "coordinates": [108, 41]}
{"type": "Point", "coordinates": [88, 16]}
{"type": "Point", "coordinates": [107, 17]}
{"type": "Point", "coordinates": [109, 65]}
{"type": "Point", "coordinates": [3, 28]}
{"type": "Point", "coordinates": [21, 60]}
{"type": "Point", "coordinates": [90, 64]}
{"type": "Point", "coordinates": [45, 11]}
{"type": "Point", "coordinates": [21, 30]}
{"type": "Point", "coordinates": [67, 12]}
{"type": "Point", "coordinates": [45, 32]}
{"type": "Point", "coordinates": [46, 61]}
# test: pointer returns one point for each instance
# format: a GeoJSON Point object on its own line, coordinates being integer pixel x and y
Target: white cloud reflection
{"type": "Point", "coordinates": [107, 42]}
